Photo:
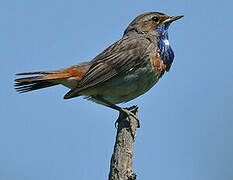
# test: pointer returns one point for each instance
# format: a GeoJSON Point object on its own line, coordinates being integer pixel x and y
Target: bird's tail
{"type": "Point", "coordinates": [39, 81]}
{"type": "Point", "coordinates": [44, 79]}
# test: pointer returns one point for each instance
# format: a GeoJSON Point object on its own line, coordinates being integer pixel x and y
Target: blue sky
{"type": "Point", "coordinates": [186, 119]}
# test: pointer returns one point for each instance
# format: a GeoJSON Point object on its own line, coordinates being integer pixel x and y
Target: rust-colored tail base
{"type": "Point", "coordinates": [27, 84]}
{"type": "Point", "coordinates": [43, 79]}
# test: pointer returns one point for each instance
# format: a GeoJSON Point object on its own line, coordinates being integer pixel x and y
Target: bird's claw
{"type": "Point", "coordinates": [128, 112]}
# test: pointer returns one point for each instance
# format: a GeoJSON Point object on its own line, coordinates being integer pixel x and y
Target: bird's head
{"type": "Point", "coordinates": [153, 23]}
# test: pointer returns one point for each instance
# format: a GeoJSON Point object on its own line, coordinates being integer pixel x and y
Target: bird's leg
{"type": "Point", "coordinates": [113, 106]}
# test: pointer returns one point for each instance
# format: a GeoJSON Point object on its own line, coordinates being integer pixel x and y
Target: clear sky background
{"type": "Point", "coordinates": [186, 119]}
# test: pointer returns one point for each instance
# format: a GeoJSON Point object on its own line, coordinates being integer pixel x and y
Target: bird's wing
{"type": "Point", "coordinates": [118, 58]}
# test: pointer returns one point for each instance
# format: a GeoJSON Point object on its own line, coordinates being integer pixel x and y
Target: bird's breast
{"type": "Point", "coordinates": [158, 64]}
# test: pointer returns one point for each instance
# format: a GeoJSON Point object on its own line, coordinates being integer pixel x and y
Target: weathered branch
{"type": "Point", "coordinates": [121, 161]}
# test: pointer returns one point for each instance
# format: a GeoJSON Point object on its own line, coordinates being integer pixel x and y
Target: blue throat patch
{"type": "Point", "coordinates": [166, 52]}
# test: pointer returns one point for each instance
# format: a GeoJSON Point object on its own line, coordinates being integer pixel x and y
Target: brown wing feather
{"type": "Point", "coordinates": [118, 58]}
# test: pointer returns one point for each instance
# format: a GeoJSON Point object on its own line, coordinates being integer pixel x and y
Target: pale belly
{"type": "Point", "coordinates": [125, 87]}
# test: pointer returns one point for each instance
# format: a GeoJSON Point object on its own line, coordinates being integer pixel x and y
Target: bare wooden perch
{"type": "Point", "coordinates": [121, 161]}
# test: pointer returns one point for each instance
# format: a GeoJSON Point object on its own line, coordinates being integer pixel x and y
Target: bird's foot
{"type": "Point", "coordinates": [129, 112]}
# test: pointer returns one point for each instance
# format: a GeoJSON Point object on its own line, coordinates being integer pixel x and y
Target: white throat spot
{"type": "Point", "coordinates": [166, 42]}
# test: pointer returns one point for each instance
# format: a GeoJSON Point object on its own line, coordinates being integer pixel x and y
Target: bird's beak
{"type": "Point", "coordinates": [171, 19]}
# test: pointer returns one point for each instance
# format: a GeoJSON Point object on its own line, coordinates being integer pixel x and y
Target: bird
{"type": "Point", "coordinates": [125, 70]}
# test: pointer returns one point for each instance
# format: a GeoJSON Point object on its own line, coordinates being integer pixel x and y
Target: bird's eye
{"type": "Point", "coordinates": [155, 19]}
